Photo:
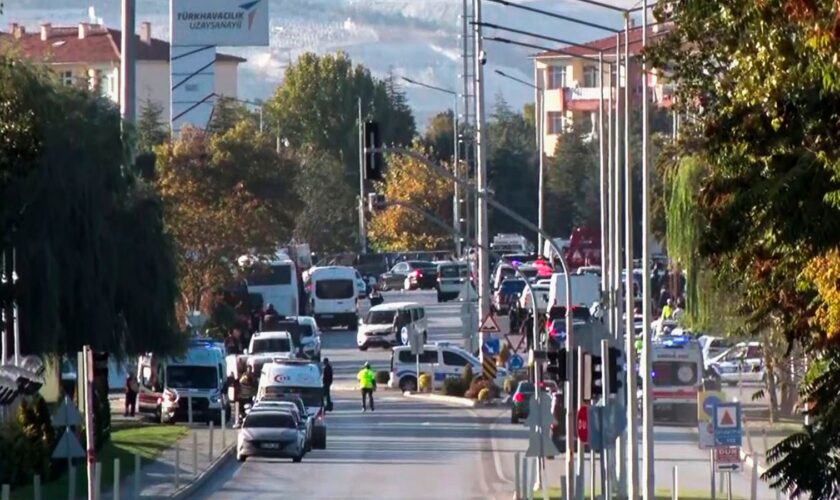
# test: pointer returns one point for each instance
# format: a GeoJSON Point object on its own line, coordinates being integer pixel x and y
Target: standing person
{"type": "Point", "coordinates": [327, 378]}
{"type": "Point", "coordinates": [246, 390]}
{"type": "Point", "coordinates": [367, 382]}
{"type": "Point", "coordinates": [668, 310]}
{"type": "Point", "coordinates": [131, 390]}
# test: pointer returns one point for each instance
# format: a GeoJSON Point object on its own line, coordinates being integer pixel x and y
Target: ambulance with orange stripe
{"type": "Point", "coordinates": [677, 364]}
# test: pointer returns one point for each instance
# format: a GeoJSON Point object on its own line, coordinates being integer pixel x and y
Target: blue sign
{"type": "Point", "coordinates": [709, 404]}
{"type": "Point", "coordinates": [404, 335]}
{"type": "Point", "coordinates": [727, 424]}
{"type": "Point", "coordinates": [615, 421]}
{"type": "Point", "coordinates": [491, 345]}
{"type": "Point", "coordinates": [596, 430]}
{"type": "Point", "coordinates": [516, 362]}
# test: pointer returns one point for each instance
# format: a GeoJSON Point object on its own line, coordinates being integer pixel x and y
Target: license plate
{"type": "Point", "coordinates": [271, 446]}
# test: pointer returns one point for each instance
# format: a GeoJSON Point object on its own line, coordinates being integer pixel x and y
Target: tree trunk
{"type": "Point", "coordinates": [770, 385]}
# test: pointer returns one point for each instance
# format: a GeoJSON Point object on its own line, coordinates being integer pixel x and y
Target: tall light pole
{"type": "Point", "coordinates": [481, 176]}
{"type": "Point", "coordinates": [456, 202]}
{"type": "Point", "coordinates": [540, 132]}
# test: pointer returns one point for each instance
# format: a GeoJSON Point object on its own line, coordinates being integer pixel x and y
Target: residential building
{"type": "Point", "coordinates": [569, 78]}
{"type": "Point", "coordinates": [89, 55]}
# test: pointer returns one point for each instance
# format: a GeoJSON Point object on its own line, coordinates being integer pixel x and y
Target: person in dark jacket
{"type": "Point", "coordinates": [131, 390]}
{"type": "Point", "coordinates": [327, 378]}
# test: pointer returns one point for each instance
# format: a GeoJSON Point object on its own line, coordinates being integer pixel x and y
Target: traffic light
{"type": "Point", "coordinates": [616, 367]}
{"type": "Point", "coordinates": [373, 161]}
{"type": "Point", "coordinates": [592, 382]}
{"type": "Point", "coordinates": [556, 368]}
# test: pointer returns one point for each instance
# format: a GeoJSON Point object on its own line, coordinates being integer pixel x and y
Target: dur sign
{"type": "Point", "coordinates": [226, 23]}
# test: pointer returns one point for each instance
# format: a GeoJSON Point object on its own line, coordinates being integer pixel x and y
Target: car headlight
{"type": "Point", "coordinates": [214, 398]}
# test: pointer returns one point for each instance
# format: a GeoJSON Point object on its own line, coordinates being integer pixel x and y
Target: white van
{"type": "Point", "coordinates": [168, 384]}
{"type": "Point", "coordinates": [441, 359]}
{"type": "Point", "coordinates": [297, 378]}
{"type": "Point", "coordinates": [586, 290]}
{"type": "Point", "coordinates": [677, 367]}
{"type": "Point", "coordinates": [332, 296]}
{"type": "Point", "coordinates": [377, 328]}
{"type": "Point", "coordinates": [276, 281]}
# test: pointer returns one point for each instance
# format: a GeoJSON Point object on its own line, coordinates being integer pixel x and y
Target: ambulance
{"type": "Point", "coordinates": [677, 365]}
{"type": "Point", "coordinates": [287, 377]}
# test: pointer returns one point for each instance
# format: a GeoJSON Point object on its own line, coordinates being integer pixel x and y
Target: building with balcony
{"type": "Point", "coordinates": [571, 93]}
{"type": "Point", "coordinates": [89, 55]}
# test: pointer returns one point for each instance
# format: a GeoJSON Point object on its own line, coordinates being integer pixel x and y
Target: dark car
{"type": "Point", "coordinates": [423, 277]}
{"type": "Point", "coordinates": [395, 278]}
{"type": "Point", "coordinates": [522, 398]}
{"type": "Point", "coordinates": [507, 294]}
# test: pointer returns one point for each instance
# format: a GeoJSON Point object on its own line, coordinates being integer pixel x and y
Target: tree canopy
{"type": "Point", "coordinates": [94, 264]}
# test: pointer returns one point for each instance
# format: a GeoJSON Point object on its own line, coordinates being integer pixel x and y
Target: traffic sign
{"type": "Point", "coordinates": [489, 324]}
{"type": "Point", "coordinates": [583, 423]}
{"type": "Point", "coordinates": [728, 458]}
{"type": "Point", "coordinates": [706, 403]}
{"type": "Point", "coordinates": [492, 345]}
{"type": "Point", "coordinates": [404, 335]}
{"type": "Point", "coordinates": [416, 342]}
{"type": "Point", "coordinates": [68, 446]}
{"type": "Point", "coordinates": [615, 421]}
{"type": "Point", "coordinates": [727, 423]}
{"type": "Point", "coordinates": [596, 428]}
{"type": "Point", "coordinates": [516, 362]}
{"type": "Point", "coordinates": [539, 422]}
{"type": "Point", "coordinates": [67, 414]}
{"type": "Point", "coordinates": [706, 434]}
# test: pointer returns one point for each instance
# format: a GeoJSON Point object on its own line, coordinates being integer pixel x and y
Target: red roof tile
{"type": "Point", "coordinates": [100, 45]}
{"type": "Point", "coordinates": [607, 44]}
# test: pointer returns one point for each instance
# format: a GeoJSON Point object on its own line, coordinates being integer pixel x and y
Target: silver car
{"type": "Point", "coordinates": [271, 434]}
{"type": "Point", "coordinates": [292, 406]}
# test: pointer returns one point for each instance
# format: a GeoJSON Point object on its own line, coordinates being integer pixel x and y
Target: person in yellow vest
{"type": "Point", "coordinates": [668, 310]}
{"type": "Point", "coordinates": [367, 382]}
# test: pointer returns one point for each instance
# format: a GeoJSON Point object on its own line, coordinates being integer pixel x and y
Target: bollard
{"type": "Point", "coordinates": [116, 479]}
{"type": "Point", "coordinates": [224, 430]}
{"type": "Point", "coordinates": [7, 491]}
{"type": "Point", "coordinates": [195, 454]}
{"type": "Point", "coordinates": [236, 417]}
{"type": "Point", "coordinates": [177, 465]}
{"type": "Point", "coordinates": [137, 476]}
{"type": "Point", "coordinates": [189, 410]}
{"type": "Point", "coordinates": [754, 478]}
{"type": "Point", "coordinates": [36, 487]}
{"type": "Point", "coordinates": [591, 474]}
{"type": "Point", "coordinates": [97, 480]}
{"type": "Point", "coordinates": [764, 441]}
{"type": "Point", "coordinates": [532, 476]}
{"type": "Point", "coordinates": [71, 482]}
{"type": "Point", "coordinates": [517, 495]}
{"type": "Point", "coordinates": [210, 448]}
{"type": "Point", "coordinates": [675, 484]}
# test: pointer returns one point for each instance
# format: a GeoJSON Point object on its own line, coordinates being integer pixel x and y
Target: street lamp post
{"type": "Point", "coordinates": [540, 132]}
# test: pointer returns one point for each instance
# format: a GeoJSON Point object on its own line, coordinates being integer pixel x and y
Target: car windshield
{"type": "Point", "coordinates": [512, 286]}
{"type": "Point", "coordinates": [269, 419]}
{"type": "Point", "coordinates": [273, 396]}
{"type": "Point", "coordinates": [335, 289]}
{"type": "Point", "coordinates": [380, 317]}
{"type": "Point", "coordinates": [306, 330]}
{"type": "Point", "coordinates": [311, 396]}
{"type": "Point", "coordinates": [271, 345]}
{"type": "Point", "coordinates": [452, 271]}
{"type": "Point", "coordinates": [192, 377]}
{"type": "Point", "coordinates": [525, 388]}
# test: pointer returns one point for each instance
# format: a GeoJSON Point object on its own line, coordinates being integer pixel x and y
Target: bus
{"type": "Point", "coordinates": [276, 280]}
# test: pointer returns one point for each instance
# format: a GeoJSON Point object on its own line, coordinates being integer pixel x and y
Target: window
{"type": "Point", "coordinates": [402, 267]}
{"type": "Point", "coordinates": [454, 359]}
{"type": "Point", "coordinates": [270, 275]}
{"type": "Point", "coordinates": [557, 77]}
{"type": "Point", "coordinates": [428, 357]}
{"type": "Point", "coordinates": [270, 419]}
{"type": "Point", "coordinates": [590, 76]}
{"type": "Point", "coordinates": [415, 314]}
{"type": "Point", "coordinates": [270, 345]}
{"type": "Point", "coordinates": [380, 317]}
{"type": "Point", "coordinates": [335, 289]}
{"type": "Point", "coordinates": [556, 122]}
{"type": "Point", "coordinates": [670, 373]}
{"type": "Point", "coordinates": [311, 396]}
{"type": "Point", "coordinates": [191, 377]}
{"type": "Point", "coordinates": [67, 78]}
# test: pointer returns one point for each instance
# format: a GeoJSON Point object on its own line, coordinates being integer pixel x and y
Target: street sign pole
{"type": "Point", "coordinates": [606, 472]}
{"type": "Point", "coordinates": [580, 456]}
{"type": "Point", "coordinates": [87, 377]}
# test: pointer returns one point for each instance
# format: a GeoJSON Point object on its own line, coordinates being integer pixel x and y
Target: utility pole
{"type": "Point", "coordinates": [538, 124]}
{"type": "Point", "coordinates": [128, 58]}
{"type": "Point", "coordinates": [647, 362]}
{"type": "Point", "coordinates": [621, 447]}
{"type": "Point", "coordinates": [456, 169]}
{"type": "Point", "coordinates": [362, 235]}
{"type": "Point", "coordinates": [481, 176]}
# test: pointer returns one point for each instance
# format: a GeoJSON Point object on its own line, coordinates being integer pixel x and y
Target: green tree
{"type": "Point", "coordinates": [151, 129]}
{"type": "Point", "coordinates": [65, 201]}
{"type": "Point", "coordinates": [572, 185]}
{"type": "Point", "coordinates": [438, 138]}
{"type": "Point", "coordinates": [228, 113]}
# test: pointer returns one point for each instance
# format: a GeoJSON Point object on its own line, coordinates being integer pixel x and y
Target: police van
{"type": "Point", "coordinates": [677, 371]}
{"type": "Point", "coordinates": [297, 378]}
{"type": "Point", "coordinates": [441, 359]}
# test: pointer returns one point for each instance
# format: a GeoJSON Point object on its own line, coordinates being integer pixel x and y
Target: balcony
{"type": "Point", "coordinates": [585, 93]}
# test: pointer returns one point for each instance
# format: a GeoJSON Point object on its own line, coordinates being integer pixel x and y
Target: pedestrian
{"type": "Point", "coordinates": [131, 390]}
{"type": "Point", "coordinates": [367, 382]}
{"type": "Point", "coordinates": [246, 390]}
{"type": "Point", "coordinates": [668, 310]}
{"type": "Point", "coordinates": [327, 378]}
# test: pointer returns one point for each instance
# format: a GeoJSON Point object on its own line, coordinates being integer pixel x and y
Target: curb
{"type": "Point", "coordinates": [187, 490]}
{"type": "Point", "coordinates": [450, 400]}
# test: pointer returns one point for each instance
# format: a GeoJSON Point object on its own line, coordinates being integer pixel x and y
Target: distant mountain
{"type": "Point", "coordinates": [414, 38]}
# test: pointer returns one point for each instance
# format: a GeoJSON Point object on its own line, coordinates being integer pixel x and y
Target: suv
{"type": "Point", "coordinates": [440, 359]}
{"type": "Point", "coordinates": [265, 346]}
{"type": "Point", "coordinates": [377, 328]}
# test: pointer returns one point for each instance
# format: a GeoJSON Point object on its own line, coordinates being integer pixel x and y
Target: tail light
{"type": "Point", "coordinates": [553, 427]}
{"type": "Point", "coordinates": [519, 397]}
{"type": "Point", "coordinates": [320, 416]}
{"type": "Point", "coordinates": [419, 273]}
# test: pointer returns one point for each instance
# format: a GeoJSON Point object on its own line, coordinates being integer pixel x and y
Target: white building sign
{"type": "Point", "coordinates": [226, 23]}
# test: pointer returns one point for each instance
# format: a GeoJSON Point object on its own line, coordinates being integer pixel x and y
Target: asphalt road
{"type": "Point", "coordinates": [406, 449]}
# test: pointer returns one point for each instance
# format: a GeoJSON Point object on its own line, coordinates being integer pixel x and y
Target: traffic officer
{"type": "Point", "coordinates": [367, 382]}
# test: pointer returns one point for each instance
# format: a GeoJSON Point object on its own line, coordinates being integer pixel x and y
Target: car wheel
{"type": "Point", "coordinates": [440, 298]}
{"type": "Point", "coordinates": [425, 337]}
{"type": "Point", "coordinates": [363, 347]}
{"type": "Point", "coordinates": [513, 418]}
{"type": "Point", "coordinates": [240, 457]}
{"type": "Point", "coordinates": [319, 440]}
{"type": "Point", "coordinates": [408, 384]}
{"type": "Point", "coordinates": [298, 459]}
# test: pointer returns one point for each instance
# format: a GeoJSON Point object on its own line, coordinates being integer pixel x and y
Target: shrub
{"type": "Point", "coordinates": [479, 384]}
{"type": "Point", "coordinates": [454, 386]}
{"type": "Point", "coordinates": [425, 383]}
{"type": "Point", "coordinates": [467, 375]}
{"type": "Point", "coordinates": [484, 395]}
{"type": "Point", "coordinates": [382, 377]}
{"type": "Point", "coordinates": [512, 381]}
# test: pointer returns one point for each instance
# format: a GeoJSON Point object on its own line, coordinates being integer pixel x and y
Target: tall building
{"type": "Point", "coordinates": [89, 55]}
{"type": "Point", "coordinates": [569, 78]}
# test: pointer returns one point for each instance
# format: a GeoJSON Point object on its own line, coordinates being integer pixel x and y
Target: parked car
{"type": "Point", "coordinates": [451, 277]}
{"type": "Point", "coordinates": [395, 278]}
{"type": "Point", "coordinates": [713, 347]}
{"type": "Point", "coordinates": [742, 363]}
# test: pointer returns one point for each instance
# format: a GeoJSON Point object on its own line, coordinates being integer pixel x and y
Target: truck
{"type": "Point", "coordinates": [172, 386]}
{"type": "Point", "coordinates": [586, 290]}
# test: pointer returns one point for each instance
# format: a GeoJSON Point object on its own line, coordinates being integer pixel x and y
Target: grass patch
{"type": "Point", "coordinates": [148, 441]}
{"type": "Point", "coordinates": [661, 494]}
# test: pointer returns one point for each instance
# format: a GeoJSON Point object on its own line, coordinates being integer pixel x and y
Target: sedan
{"type": "Point", "coordinates": [290, 406]}
{"type": "Point", "coordinates": [522, 398]}
{"type": "Point", "coordinates": [396, 277]}
{"type": "Point", "coordinates": [274, 433]}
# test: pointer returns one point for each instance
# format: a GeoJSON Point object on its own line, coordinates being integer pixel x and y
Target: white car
{"type": "Point", "coordinates": [713, 347]}
{"type": "Point", "coordinates": [276, 433]}
{"type": "Point", "coordinates": [361, 286]}
{"type": "Point", "coordinates": [266, 346]}
{"type": "Point", "coordinates": [742, 363]}
{"type": "Point", "coordinates": [310, 337]}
